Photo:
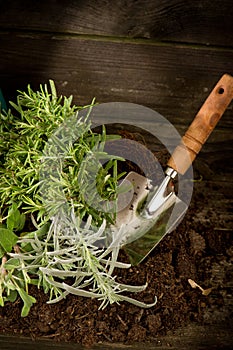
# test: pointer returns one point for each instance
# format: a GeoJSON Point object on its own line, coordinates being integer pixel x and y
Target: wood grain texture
{"type": "Point", "coordinates": [203, 125]}
{"type": "Point", "coordinates": [191, 337]}
{"type": "Point", "coordinates": [174, 80]}
{"type": "Point", "coordinates": [208, 22]}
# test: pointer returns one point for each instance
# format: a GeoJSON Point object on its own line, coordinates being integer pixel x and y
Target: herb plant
{"type": "Point", "coordinates": [54, 218]}
{"type": "Point", "coordinates": [23, 141]}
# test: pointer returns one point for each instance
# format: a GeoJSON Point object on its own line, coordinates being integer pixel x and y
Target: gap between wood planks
{"type": "Point", "coordinates": [114, 39]}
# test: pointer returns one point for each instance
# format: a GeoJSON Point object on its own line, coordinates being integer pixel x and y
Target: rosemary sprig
{"type": "Point", "coordinates": [48, 126]}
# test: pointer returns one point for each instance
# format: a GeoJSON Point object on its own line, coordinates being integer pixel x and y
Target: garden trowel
{"type": "Point", "coordinates": [150, 212]}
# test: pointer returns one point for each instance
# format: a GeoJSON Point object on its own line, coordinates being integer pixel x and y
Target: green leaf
{"type": "Point", "coordinates": [7, 239]}
{"type": "Point", "coordinates": [12, 264]}
{"type": "Point", "coordinates": [21, 222]}
{"type": "Point", "coordinates": [53, 89]}
{"type": "Point", "coordinates": [10, 284]}
{"type": "Point", "coordinates": [16, 107]}
{"type": "Point", "coordinates": [28, 301]}
{"type": "Point", "coordinates": [34, 282]}
{"type": "Point", "coordinates": [39, 233]}
{"type": "Point", "coordinates": [12, 296]}
{"type": "Point", "coordinates": [2, 252]}
{"type": "Point", "coordinates": [13, 216]}
{"type": "Point", "coordinates": [15, 219]}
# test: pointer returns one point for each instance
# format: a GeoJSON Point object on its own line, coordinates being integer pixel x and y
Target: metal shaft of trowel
{"type": "Point", "coordinates": [161, 194]}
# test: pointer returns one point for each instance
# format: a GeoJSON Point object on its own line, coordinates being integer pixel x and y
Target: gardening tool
{"type": "Point", "coordinates": [141, 226]}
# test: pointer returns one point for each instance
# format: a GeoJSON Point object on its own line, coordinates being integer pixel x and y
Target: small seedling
{"type": "Point", "coordinates": [193, 284]}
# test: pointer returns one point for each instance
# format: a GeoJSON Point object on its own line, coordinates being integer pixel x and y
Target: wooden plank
{"type": "Point", "coordinates": [208, 22]}
{"type": "Point", "coordinates": [172, 79]}
{"type": "Point", "coordinates": [191, 337]}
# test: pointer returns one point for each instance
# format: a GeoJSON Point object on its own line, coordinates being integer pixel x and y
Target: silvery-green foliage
{"type": "Point", "coordinates": [75, 251]}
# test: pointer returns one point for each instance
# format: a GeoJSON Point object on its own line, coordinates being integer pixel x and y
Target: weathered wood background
{"type": "Point", "coordinates": [163, 54]}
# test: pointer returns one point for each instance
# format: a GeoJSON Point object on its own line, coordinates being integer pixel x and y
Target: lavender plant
{"type": "Point", "coordinates": [70, 250]}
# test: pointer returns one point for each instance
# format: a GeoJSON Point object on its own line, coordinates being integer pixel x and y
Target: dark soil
{"type": "Point", "coordinates": [199, 249]}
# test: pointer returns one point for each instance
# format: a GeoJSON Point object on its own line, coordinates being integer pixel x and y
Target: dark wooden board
{"type": "Point", "coordinates": [208, 22]}
{"type": "Point", "coordinates": [173, 79]}
{"type": "Point", "coordinates": [191, 337]}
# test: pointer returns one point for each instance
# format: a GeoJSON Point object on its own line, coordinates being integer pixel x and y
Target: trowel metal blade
{"type": "Point", "coordinates": [139, 234]}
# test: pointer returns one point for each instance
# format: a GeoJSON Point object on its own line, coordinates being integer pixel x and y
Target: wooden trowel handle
{"type": "Point", "coordinates": [203, 124]}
